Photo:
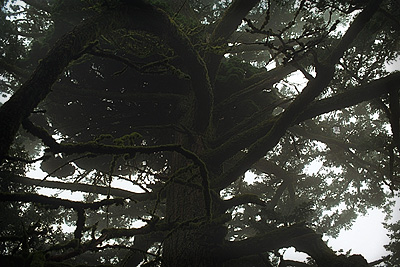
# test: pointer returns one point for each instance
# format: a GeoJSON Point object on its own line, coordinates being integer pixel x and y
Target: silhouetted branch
{"type": "Point", "coordinates": [53, 202]}
{"type": "Point", "coordinates": [298, 236]}
{"type": "Point", "coordinates": [88, 188]}
{"type": "Point", "coordinates": [97, 148]}
{"type": "Point", "coordinates": [350, 97]}
{"type": "Point", "coordinates": [224, 28]}
{"type": "Point", "coordinates": [242, 199]}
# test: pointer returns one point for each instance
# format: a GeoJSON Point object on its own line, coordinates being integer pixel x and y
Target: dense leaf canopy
{"type": "Point", "coordinates": [191, 130]}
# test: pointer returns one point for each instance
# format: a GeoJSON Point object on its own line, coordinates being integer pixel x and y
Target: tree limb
{"type": "Point", "coordinates": [106, 235]}
{"type": "Point", "coordinates": [351, 97]}
{"type": "Point", "coordinates": [135, 16]}
{"type": "Point", "coordinates": [224, 28]}
{"type": "Point", "coordinates": [395, 116]}
{"type": "Point", "coordinates": [258, 82]}
{"type": "Point", "coordinates": [117, 192]}
{"type": "Point", "coordinates": [289, 116]}
{"type": "Point", "coordinates": [57, 202]}
{"type": "Point", "coordinates": [97, 148]}
{"type": "Point", "coordinates": [302, 238]}
{"type": "Point", "coordinates": [242, 199]}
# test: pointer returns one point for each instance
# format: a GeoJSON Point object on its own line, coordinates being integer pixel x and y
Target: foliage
{"type": "Point", "coordinates": [166, 108]}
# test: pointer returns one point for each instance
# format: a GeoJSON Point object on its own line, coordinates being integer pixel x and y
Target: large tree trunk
{"type": "Point", "coordinates": [192, 241]}
{"type": "Point", "coordinates": [195, 236]}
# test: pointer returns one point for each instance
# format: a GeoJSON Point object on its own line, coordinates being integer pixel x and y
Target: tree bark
{"type": "Point", "coordinates": [191, 242]}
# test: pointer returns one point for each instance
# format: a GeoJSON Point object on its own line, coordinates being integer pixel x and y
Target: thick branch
{"type": "Point", "coordinates": [57, 202]}
{"type": "Point", "coordinates": [302, 238]}
{"type": "Point", "coordinates": [225, 27]}
{"type": "Point", "coordinates": [68, 48]}
{"type": "Point", "coordinates": [291, 114]}
{"type": "Point", "coordinates": [351, 34]}
{"type": "Point", "coordinates": [152, 226]}
{"type": "Point", "coordinates": [231, 19]}
{"type": "Point", "coordinates": [259, 82]}
{"type": "Point", "coordinates": [109, 234]}
{"type": "Point", "coordinates": [348, 98]}
{"type": "Point", "coordinates": [351, 97]}
{"type": "Point", "coordinates": [264, 242]}
{"type": "Point", "coordinates": [85, 92]}
{"type": "Point", "coordinates": [97, 148]}
{"type": "Point", "coordinates": [319, 136]}
{"type": "Point", "coordinates": [72, 45]}
{"type": "Point", "coordinates": [250, 122]}
{"type": "Point", "coordinates": [395, 116]}
{"type": "Point", "coordinates": [82, 188]}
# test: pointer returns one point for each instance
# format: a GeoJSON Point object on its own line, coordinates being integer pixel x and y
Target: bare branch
{"type": "Point", "coordinates": [57, 202]}
{"type": "Point", "coordinates": [88, 188]}
{"type": "Point", "coordinates": [351, 97]}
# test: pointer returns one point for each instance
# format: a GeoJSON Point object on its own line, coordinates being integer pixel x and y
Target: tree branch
{"type": "Point", "coordinates": [224, 28]}
{"type": "Point", "coordinates": [97, 148]}
{"type": "Point", "coordinates": [35, 89]}
{"type": "Point", "coordinates": [151, 227]}
{"type": "Point", "coordinates": [348, 98]}
{"type": "Point", "coordinates": [258, 82]}
{"type": "Point", "coordinates": [85, 92]}
{"type": "Point", "coordinates": [302, 238]}
{"type": "Point", "coordinates": [289, 116]}
{"type": "Point", "coordinates": [395, 116]}
{"type": "Point", "coordinates": [351, 97]}
{"type": "Point", "coordinates": [57, 202]}
{"type": "Point", "coordinates": [242, 199]}
{"type": "Point", "coordinates": [135, 16]}
{"type": "Point", "coordinates": [121, 193]}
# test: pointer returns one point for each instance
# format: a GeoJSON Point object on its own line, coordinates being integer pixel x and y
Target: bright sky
{"type": "Point", "coordinates": [366, 237]}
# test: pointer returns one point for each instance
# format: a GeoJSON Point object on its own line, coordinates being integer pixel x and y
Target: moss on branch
{"type": "Point", "coordinates": [133, 16]}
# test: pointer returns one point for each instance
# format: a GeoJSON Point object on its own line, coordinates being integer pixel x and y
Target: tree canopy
{"type": "Point", "coordinates": [158, 112]}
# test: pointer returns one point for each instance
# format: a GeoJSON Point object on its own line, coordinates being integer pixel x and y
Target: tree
{"type": "Point", "coordinates": [181, 99]}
